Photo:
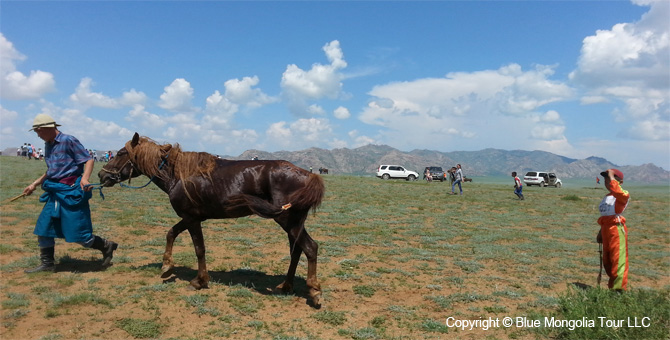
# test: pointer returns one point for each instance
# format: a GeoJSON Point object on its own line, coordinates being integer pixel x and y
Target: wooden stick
{"type": "Point", "coordinates": [17, 197]}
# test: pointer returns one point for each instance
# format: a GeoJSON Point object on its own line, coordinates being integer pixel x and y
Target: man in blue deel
{"type": "Point", "coordinates": [66, 213]}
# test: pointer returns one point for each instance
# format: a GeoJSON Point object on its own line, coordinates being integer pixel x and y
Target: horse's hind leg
{"type": "Point", "coordinates": [202, 279]}
{"type": "Point", "coordinates": [287, 285]}
{"type": "Point", "coordinates": [299, 244]}
{"type": "Point", "coordinates": [168, 263]}
{"type": "Point", "coordinates": [311, 248]}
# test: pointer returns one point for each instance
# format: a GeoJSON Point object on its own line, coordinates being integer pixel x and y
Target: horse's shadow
{"type": "Point", "coordinates": [260, 282]}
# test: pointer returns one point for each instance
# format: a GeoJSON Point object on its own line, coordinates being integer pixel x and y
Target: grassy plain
{"type": "Point", "coordinates": [396, 259]}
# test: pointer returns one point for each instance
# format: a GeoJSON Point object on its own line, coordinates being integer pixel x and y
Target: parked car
{"type": "Point", "coordinates": [542, 179]}
{"type": "Point", "coordinates": [436, 173]}
{"type": "Point", "coordinates": [396, 171]}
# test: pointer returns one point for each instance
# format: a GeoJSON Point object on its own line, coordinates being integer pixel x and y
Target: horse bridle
{"type": "Point", "coordinates": [116, 174]}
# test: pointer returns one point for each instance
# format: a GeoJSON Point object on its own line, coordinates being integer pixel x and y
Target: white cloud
{"type": "Point", "coordinates": [84, 98]}
{"type": "Point", "coordinates": [315, 110]}
{"type": "Point", "coordinates": [7, 115]}
{"type": "Point", "coordinates": [242, 92]}
{"type": "Point", "coordinates": [321, 81]}
{"type": "Point", "coordinates": [145, 119]}
{"type": "Point", "coordinates": [630, 65]}
{"type": "Point", "coordinates": [462, 105]}
{"type": "Point", "coordinates": [15, 85]}
{"type": "Point", "coordinates": [280, 133]}
{"type": "Point", "coordinates": [341, 113]}
{"type": "Point", "coordinates": [177, 97]}
{"type": "Point", "coordinates": [303, 133]}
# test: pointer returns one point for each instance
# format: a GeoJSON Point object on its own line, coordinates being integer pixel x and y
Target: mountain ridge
{"type": "Point", "coordinates": [364, 160]}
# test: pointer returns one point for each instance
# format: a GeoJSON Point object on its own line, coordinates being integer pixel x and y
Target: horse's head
{"type": "Point", "coordinates": [121, 167]}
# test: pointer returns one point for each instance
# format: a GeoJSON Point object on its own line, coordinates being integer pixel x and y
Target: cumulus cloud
{"type": "Point", "coordinates": [629, 64]}
{"type": "Point", "coordinates": [7, 116]}
{"type": "Point", "coordinates": [341, 113]}
{"type": "Point", "coordinates": [461, 105]}
{"type": "Point", "coordinates": [144, 119]}
{"type": "Point", "coordinates": [305, 132]}
{"type": "Point", "coordinates": [85, 98]}
{"type": "Point", "coordinates": [321, 81]}
{"type": "Point", "coordinates": [15, 85]}
{"type": "Point", "coordinates": [177, 96]}
{"type": "Point", "coordinates": [242, 92]}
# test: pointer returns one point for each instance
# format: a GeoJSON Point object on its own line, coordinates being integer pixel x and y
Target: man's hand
{"type": "Point", "coordinates": [85, 185]}
{"type": "Point", "coordinates": [599, 238]}
{"type": "Point", "coordinates": [29, 189]}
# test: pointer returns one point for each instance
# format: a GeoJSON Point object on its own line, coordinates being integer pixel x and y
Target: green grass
{"type": "Point", "coordinates": [637, 314]}
{"type": "Point", "coordinates": [395, 259]}
{"type": "Point", "coordinates": [139, 328]}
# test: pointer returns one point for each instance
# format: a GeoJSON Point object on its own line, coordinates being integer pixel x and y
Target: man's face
{"type": "Point", "coordinates": [47, 134]}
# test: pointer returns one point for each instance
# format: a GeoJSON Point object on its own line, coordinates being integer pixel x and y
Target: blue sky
{"type": "Point", "coordinates": [576, 78]}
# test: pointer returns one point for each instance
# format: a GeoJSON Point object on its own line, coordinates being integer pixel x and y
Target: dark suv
{"type": "Point", "coordinates": [436, 173]}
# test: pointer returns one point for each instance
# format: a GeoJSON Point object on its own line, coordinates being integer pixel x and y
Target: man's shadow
{"type": "Point", "coordinates": [75, 265]}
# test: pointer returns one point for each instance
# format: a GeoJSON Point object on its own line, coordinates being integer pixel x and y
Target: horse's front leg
{"type": "Point", "coordinates": [202, 279]}
{"type": "Point", "coordinates": [168, 263]}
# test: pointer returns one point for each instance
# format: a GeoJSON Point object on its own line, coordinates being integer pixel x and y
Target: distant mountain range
{"type": "Point", "coordinates": [488, 162]}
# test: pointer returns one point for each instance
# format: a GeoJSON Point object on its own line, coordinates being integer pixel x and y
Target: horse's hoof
{"type": "Point", "coordinates": [283, 288]}
{"type": "Point", "coordinates": [315, 299]}
{"type": "Point", "coordinates": [197, 285]}
{"type": "Point", "coordinates": [167, 272]}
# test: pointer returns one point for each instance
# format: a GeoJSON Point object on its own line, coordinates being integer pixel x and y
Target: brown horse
{"type": "Point", "coordinates": [201, 186]}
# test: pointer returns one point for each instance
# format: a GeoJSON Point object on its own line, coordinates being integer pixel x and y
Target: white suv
{"type": "Point", "coordinates": [396, 171]}
{"type": "Point", "coordinates": [542, 179]}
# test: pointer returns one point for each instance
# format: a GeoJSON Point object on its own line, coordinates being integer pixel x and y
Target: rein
{"type": "Point", "coordinates": [150, 179]}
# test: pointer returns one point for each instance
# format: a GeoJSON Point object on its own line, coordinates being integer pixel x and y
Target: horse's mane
{"type": "Point", "coordinates": [185, 166]}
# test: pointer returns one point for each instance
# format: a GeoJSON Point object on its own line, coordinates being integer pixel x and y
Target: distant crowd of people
{"type": "Point", "coordinates": [106, 156]}
{"type": "Point", "coordinates": [28, 151]}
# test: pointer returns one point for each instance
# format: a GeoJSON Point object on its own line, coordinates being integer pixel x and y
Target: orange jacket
{"type": "Point", "coordinates": [613, 205]}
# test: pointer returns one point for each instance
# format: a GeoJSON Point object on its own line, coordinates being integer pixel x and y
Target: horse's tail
{"type": "Point", "coordinates": [257, 205]}
{"type": "Point", "coordinates": [310, 195]}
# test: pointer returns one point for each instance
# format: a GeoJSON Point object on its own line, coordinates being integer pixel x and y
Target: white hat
{"type": "Point", "coordinates": [43, 120]}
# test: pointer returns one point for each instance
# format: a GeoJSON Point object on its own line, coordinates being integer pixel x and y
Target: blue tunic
{"type": "Point", "coordinates": [66, 213]}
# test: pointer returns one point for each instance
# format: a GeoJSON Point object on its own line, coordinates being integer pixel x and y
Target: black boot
{"type": "Point", "coordinates": [107, 248]}
{"type": "Point", "coordinates": [47, 261]}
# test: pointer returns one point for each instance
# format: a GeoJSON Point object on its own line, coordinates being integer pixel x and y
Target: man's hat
{"type": "Point", "coordinates": [43, 120]}
{"type": "Point", "coordinates": [618, 174]}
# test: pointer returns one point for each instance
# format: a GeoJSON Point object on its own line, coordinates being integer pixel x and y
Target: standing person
{"type": "Point", "coordinates": [66, 213]}
{"type": "Point", "coordinates": [613, 232]}
{"type": "Point", "coordinates": [427, 175]}
{"type": "Point", "coordinates": [458, 178]}
{"type": "Point", "coordinates": [29, 151]}
{"type": "Point", "coordinates": [518, 187]}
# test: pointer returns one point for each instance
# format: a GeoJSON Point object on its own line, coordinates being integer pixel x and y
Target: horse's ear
{"type": "Point", "coordinates": [136, 140]}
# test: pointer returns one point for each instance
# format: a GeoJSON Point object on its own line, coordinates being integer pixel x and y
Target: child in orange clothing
{"type": "Point", "coordinates": [613, 232]}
